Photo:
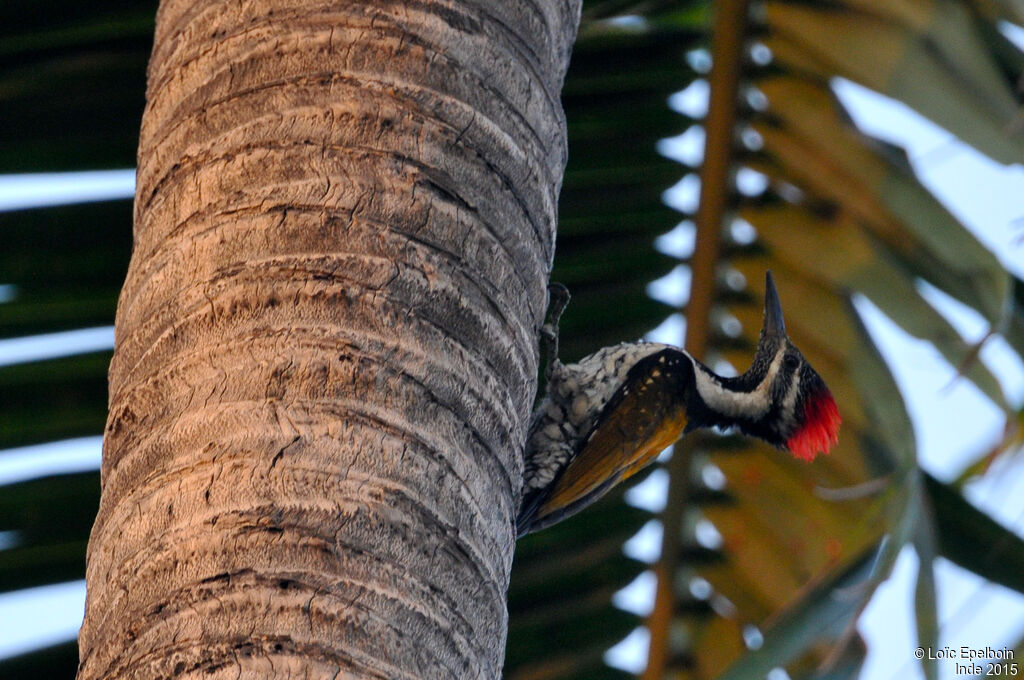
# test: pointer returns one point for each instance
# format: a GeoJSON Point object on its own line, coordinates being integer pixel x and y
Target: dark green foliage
{"type": "Point", "coordinates": [53, 400]}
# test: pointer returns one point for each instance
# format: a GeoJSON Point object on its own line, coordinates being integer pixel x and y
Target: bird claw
{"type": "Point", "coordinates": [558, 298]}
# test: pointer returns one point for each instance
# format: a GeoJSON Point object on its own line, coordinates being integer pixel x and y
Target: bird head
{"type": "Point", "coordinates": [781, 398]}
{"type": "Point", "coordinates": [802, 416]}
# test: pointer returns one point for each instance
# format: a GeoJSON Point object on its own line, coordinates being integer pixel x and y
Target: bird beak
{"type": "Point", "coordinates": [773, 323]}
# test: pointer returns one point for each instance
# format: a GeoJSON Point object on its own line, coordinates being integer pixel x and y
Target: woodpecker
{"type": "Point", "coordinates": [608, 416]}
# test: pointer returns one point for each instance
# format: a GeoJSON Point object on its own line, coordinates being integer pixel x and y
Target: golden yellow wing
{"type": "Point", "coordinates": [646, 414]}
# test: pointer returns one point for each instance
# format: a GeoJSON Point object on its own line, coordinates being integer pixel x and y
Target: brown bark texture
{"type": "Point", "coordinates": [326, 343]}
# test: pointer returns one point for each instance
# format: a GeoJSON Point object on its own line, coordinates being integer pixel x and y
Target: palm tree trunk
{"type": "Point", "coordinates": [326, 347]}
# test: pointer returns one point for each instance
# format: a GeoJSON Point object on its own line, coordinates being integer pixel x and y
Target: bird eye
{"type": "Point", "coordinates": [791, 361]}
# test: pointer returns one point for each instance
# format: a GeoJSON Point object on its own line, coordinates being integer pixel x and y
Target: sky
{"type": "Point", "coordinates": [952, 421]}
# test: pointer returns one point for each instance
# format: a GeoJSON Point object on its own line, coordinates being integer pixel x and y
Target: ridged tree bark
{"type": "Point", "coordinates": [326, 343]}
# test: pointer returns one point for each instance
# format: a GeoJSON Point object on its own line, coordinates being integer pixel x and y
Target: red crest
{"type": "Point", "coordinates": [820, 429]}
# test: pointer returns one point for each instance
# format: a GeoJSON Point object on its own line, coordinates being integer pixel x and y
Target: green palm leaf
{"type": "Point", "coordinates": [792, 534]}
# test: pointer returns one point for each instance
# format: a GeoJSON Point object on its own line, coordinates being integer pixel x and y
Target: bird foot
{"type": "Point", "coordinates": [558, 298]}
